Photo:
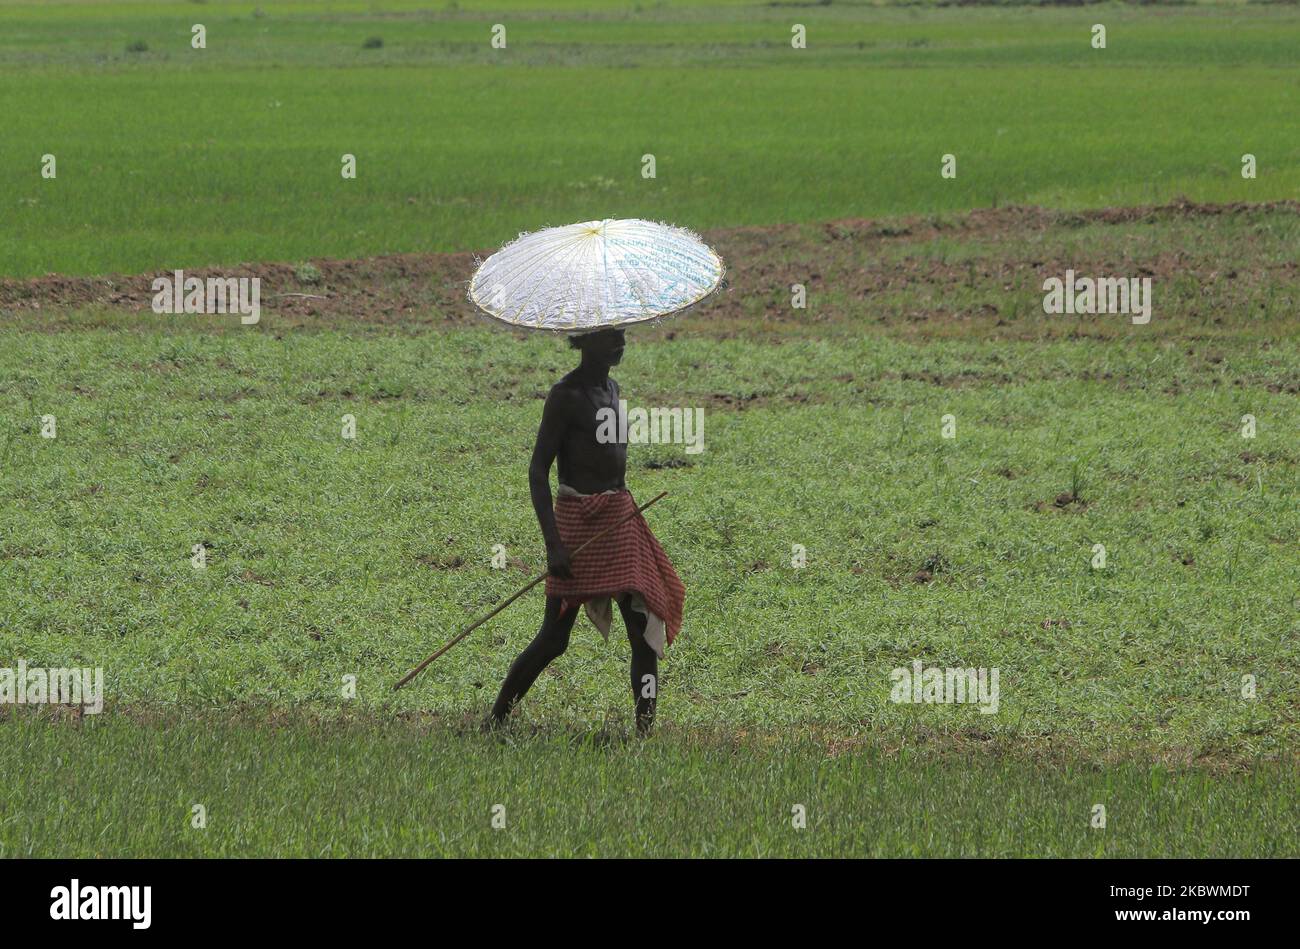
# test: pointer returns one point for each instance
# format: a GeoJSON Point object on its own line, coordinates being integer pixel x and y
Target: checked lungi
{"type": "Point", "coordinates": [627, 561]}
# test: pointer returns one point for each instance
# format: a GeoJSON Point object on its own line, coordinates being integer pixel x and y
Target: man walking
{"type": "Point", "coordinates": [626, 565]}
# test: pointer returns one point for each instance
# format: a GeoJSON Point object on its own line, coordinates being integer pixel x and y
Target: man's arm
{"type": "Point", "coordinates": [549, 436]}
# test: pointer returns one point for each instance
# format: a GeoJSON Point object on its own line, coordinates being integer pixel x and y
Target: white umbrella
{"type": "Point", "coordinates": [585, 277]}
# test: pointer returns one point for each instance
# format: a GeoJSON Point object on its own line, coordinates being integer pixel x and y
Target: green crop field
{"type": "Point", "coordinates": [182, 157]}
{"type": "Point", "coordinates": [295, 788]}
{"type": "Point", "coordinates": [1162, 682]}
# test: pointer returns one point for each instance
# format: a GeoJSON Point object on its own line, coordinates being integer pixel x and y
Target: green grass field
{"type": "Point", "coordinates": [184, 157]}
{"type": "Point", "coordinates": [330, 558]}
{"type": "Point", "coordinates": [297, 788]}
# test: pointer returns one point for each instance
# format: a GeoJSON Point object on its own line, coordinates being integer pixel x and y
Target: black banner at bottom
{"type": "Point", "coordinates": [337, 897]}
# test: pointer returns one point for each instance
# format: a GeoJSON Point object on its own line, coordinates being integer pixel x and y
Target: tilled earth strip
{"type": "Point", "coordinates": [1216, 269]}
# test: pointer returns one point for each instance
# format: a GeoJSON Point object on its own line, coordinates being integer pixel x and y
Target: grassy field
{"type": "Point", "coordinates": [182, 157]}
{"type": "Point", "coordinates": [329, 556]}
{"type": "Point", "coordinates": [299, 789]}
{"type": "Point", "coordinates": [332, 560]}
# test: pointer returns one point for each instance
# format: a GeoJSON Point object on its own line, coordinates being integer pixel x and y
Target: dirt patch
{"type": "Point", "coordinates": [655, 464]}
{"type": "Point", "coordinates": [1065, 501]}
{"type": "Point", "coordinates": [865, 272]}
{"type": "Point", "coordinates": [417, 288]}
{"type": "Point", "coordinates": [454, 562]}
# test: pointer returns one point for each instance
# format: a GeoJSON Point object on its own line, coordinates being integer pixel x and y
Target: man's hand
{"type": "Point", "coordinates": [557, 562]}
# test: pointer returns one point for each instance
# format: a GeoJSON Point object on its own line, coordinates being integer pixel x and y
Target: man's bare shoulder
{"type": "Point", "coordinates": [571, 391]}
{"type": "Point", "coordinates": [564, 395]}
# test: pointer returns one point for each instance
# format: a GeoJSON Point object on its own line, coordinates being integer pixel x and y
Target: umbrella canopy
{"type": "Point", "coordinates": [586, 277]}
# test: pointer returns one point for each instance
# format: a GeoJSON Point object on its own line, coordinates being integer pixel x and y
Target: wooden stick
{"type": "Point", "coordinates": [504, 603]}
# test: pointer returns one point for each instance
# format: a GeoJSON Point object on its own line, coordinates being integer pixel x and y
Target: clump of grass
{"type": "Point", "coordinates": [935, 563]}
{"type": "Point", "coordinates": [307, 273]}
{"type": "Point", "coordinates": [1075, 494]}
{"type": "Point", "coordinates": [373, 42]}
{"type": "Point", "coordinates": [137, 46]}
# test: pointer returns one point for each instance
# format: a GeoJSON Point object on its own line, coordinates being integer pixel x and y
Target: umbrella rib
{"type": "Point", "coordinates": [535, 261]}
{"type": "Point", "coordinates": [604, 273]}
{"type": "Point", "coordinates": [528, 265]}
{"type": "Point", "coordinates": [580, 290]}
{"type": "Point", "coordinates": [631, 283]}
{"type": "Point", "coordinates": [576, 323]}
{"type": "Point", "coordinates": [528, 299]}
{"type": "Point", "coordinates": [698, 258]}
{"type": "Point", "coordinates": [591, 253]}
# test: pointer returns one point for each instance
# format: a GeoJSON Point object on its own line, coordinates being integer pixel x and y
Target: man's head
{"type": "Point", "coordinates": [603, 347]}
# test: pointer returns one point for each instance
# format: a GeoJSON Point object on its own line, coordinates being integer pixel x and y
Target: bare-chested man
{"type": "Point", "coordinates": [627, 565]}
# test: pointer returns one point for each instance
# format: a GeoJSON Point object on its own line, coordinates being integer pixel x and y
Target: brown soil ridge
{"type": "Point", "coordinates": [431, 288]}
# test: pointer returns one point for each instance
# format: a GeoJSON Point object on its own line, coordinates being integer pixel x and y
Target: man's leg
{"type": "Point", "coordinates": [549, 644]}
{"type": "Point", "coordinates": [645, 667]}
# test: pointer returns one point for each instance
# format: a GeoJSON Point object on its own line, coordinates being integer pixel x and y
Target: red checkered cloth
{"type": "Point", "coordinates": [626, 560]}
